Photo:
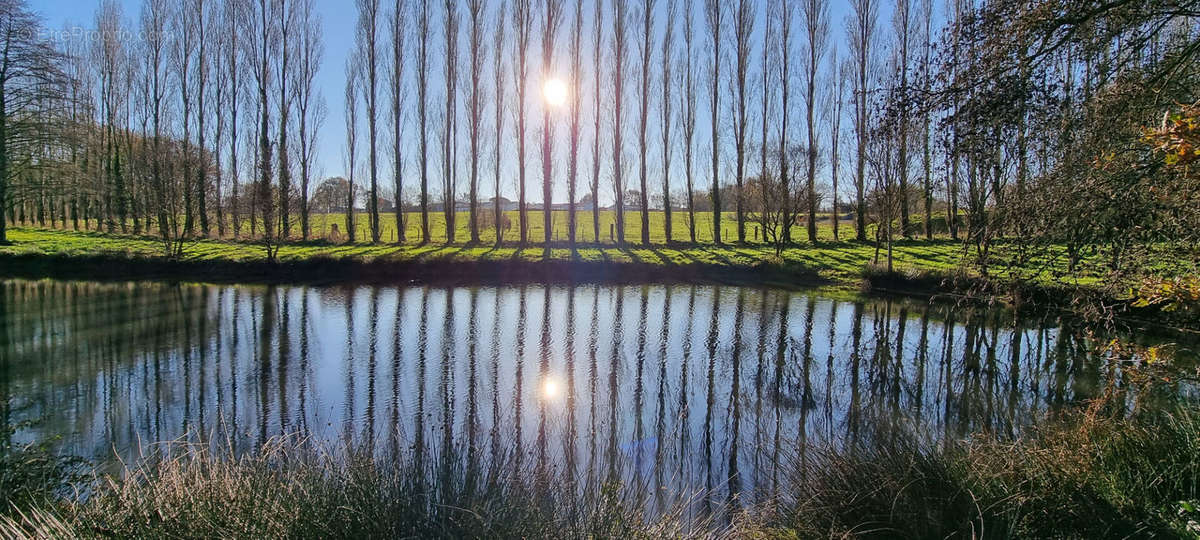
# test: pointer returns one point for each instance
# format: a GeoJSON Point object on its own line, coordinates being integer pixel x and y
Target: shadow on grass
{"type": "Point", "coordinates": [434, 252]}
{"type": "Point", "coordinates": [715, 253]}
{"type": "Point", "coordinates": [687, 254]}
{"type": "Point", "coordinates": [662, 259]}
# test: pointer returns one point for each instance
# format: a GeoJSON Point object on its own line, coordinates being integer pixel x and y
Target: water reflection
{"type": "Point", "coordinates": [674, 388]}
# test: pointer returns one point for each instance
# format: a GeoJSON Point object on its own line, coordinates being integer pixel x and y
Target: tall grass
{"type": "Point", "coordinates": [1091, 473]}
{"type": "Point", "coordinates": [290, 488]}
{"type": "Point", "coordinates": [1088, 474]}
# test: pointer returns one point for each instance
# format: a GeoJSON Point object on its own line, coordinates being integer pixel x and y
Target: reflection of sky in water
{"type": "Point", "coordinates": [696, 387]}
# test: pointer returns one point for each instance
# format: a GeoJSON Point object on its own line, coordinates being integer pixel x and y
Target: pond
{"type": "Point", "coordinates": [680, 388]}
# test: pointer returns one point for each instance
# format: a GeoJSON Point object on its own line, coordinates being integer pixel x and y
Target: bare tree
{"type": "Point", "coordinates": [777, 203]}
{"type": "Point", "coordinates": [902, 23]}
{"type": "Point", "coordinates": [620, 19]}
{"type": "Point", "coordinates": [254, 149]}
{"type": "Point", "coordinates": [423, 17]}
{"type": "Point", "coordinates": [398, 28]}
{"type": "Point", "coordinates": [743, 28]}
{"type": "Point", "coordinates": [220, 102]}
{"type": "Point", "coordinates": [78, 130]}
{"type": "Point", "coordinates": [523, 24]}
{"type": "Point", "coordinates": [135, 178]}
{"type": "Point", "coordinates": [199, 17]}
{"type": "Point", "coordinates": [310, 109]}
{"type": "Point", "coordinates": [368, 26]}
{"type": "Point", "coordinates": [286, 26]}
{"type": "Point", "coordinates": [450, 120]}
{"type": "Point", "coordinates": [498, 50]}
{"type": "Point", "coordinates": [926, 87]}
{"type": "Point", "coordinates": [263, 36]}
{"type": "Point", "coordinates": [668, 81]}
{"type": "Point", "coordinates": [108, 54]}
{"type": "Point", "coordinates": [840, 74]}
{"type": "Point", "coordinates": [647, 36]}
{"type": "Point", "coordinates": [687, 100]}
{"type": "Point", "coordinates": [353, 76]}
{"type": "Point", "coordinates": [234, 10]}
{"type": "Point", "coordinates": [576, 107]}
{"type": "Point", "coordinates": [861, 29]}
{"type": "Point", "coordinates": [816, 32]}
{"type": "Point", "coordinates": [475, 114]}
{"type": "Point", "coordinates": [786, 12]}
{"type": "Point", "coordinates": [958, 11]}
{"type": "Point", "coordinates": [183, 44]}
{"type": "Point", "coordinates": [552, 14]}
{"type": "Point", "coordinates": [597, 42]}
{"type": "Point", "coordinates": [770, 57]}
{"type": "Point", "coordinates": [884, 160]}
{"type": "Point", "coordinates": [154, 26]}
{"type": "Point", "coordinates": [715, 15]}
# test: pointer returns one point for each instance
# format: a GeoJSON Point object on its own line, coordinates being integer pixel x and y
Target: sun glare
{"type": "Point", "coordinates": [555, 91]}
{"type": "Point", "coordinates": [550, 388]}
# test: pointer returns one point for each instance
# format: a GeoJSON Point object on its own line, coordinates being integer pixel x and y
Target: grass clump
{"type": "Point", "coordinates": [1086, 475]}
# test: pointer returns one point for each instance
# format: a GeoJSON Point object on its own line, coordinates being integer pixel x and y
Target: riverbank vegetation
{"type": "Point", "coordinates": [1165, 289]}
{"type": "Point", "coordinates": [919, 266]}
{"type": "Point", "coordinates": [1097, 471]}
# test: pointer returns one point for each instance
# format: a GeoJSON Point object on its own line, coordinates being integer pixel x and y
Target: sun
{"type": "Point", "coordinates": [555, 92]}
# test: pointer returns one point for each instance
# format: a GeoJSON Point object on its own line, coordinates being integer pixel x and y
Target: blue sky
{"type": "Point", "coordinates": [339, 24]}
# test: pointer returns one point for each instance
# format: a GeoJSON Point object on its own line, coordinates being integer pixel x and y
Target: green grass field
{"type": "Point", "coordinates": [322, 224]}
{"type": "Point", "coordinates": [842, 261]}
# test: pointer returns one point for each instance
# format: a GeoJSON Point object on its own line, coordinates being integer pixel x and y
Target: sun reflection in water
{"type": "Point", "coordinates": [550, 388]}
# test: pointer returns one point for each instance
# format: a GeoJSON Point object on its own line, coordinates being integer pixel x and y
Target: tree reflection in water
{"type": "Point", "coordinates": [672, 389]}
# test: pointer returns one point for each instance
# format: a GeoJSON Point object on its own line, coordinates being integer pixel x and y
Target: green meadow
{"type": "Point", "coordinates": [323, 224]}
{"type": "Point", "coordinates": [832, 260]}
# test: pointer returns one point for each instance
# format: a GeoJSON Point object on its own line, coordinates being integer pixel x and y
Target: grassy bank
{"type": "Point", "coordinates": [59, 253]}
{"type": "Point", "coordinates": [1089, 474]}
{"type": "Point", "coordinates": [922, 267]}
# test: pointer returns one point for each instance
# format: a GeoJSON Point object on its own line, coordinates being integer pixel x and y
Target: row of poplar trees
{"type": "Point", "coordinates": [203, 116]}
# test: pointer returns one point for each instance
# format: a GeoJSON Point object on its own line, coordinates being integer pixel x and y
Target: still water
{"type": "Point", "coordinates": [698, 388]}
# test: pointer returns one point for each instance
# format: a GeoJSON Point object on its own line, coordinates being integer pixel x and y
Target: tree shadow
{"type": "Point", "coordinates": [444, 251]}
{"type": "Point", "coordinates": [714, 253]}
{"type": "Point", "coordinates": [492, 248]}
{"type": "Point", "coordinates": [627, 252]}
{"type": "Point", "coordinates": [687, 253]}
{"type": "Point", "coordinates": [518, 249]}
{"type": "Point", "coordinates": [835, 256]}
{"type": "Point", "coordinates": [662, 259]}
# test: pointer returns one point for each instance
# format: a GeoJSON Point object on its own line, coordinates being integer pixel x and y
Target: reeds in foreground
{"type": "Point", "coordinates": [1091, 473]}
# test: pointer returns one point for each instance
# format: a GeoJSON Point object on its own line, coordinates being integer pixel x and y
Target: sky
{"type": "Point", "coordinates": [339, 21]}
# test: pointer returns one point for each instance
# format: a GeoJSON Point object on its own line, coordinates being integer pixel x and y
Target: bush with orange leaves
{"type": "Point", "coordinates": [1178, 137]}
